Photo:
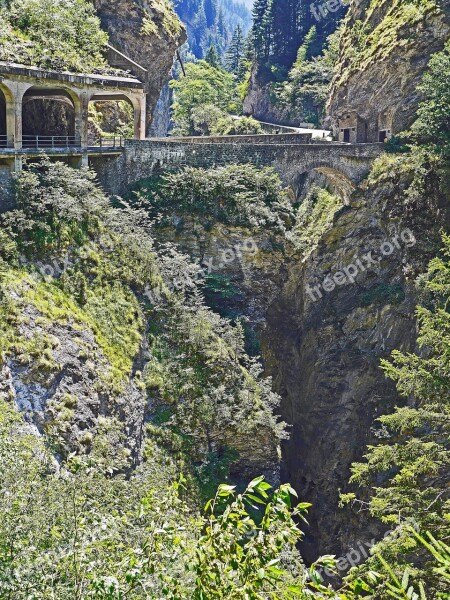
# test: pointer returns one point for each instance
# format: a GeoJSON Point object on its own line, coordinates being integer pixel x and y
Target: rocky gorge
{"type": "Point", "coordinates": [213, 325]}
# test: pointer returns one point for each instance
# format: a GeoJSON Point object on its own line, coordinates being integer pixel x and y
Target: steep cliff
{"type": "Point", "coordinates": [90, 333]}
{"type": "Point", "coordinates": [323, 345]}
{"type": "Point", "coordinates": [385, 48]}
{"type": "Point", "coordinates": [259, 102]}
{"type": "Point", "coordinates": [322, 341]}
{"type": "Point", "coordinates": [147, 32]}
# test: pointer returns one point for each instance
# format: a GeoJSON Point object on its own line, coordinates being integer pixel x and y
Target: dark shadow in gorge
{"type": "Point", "coordinates": [324, 354]}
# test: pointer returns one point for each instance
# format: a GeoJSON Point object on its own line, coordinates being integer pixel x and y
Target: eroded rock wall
{"type": "Point", "coordinates": [147, 32]}
{"type": "Point", "coordinates": [385, 49]}
{"type": "Point", "coordinates": [324, 352]}
{"type": "Point", "coordinates": [259, 102]}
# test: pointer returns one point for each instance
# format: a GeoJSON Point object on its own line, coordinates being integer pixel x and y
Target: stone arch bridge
{"type": "Point", "coordinates": [26, 133]}
{"type": "Point", "coordinates": [291, 155]}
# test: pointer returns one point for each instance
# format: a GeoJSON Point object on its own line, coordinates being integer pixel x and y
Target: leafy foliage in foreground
{"type": "Point", "coordinates": [82, 529]}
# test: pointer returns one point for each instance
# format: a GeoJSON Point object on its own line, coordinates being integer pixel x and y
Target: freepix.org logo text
{"type": "Point", "coordinates": [320, 11]}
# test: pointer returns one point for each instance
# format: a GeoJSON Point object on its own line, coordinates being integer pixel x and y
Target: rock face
{"type": "Point", "coordinates": [70, 383]}
{"type": "Point", "coordinates": [245, 269]}
{"type": "Point", "coordinates": [381, 66]}
{"type": "Point", "coordinates": [258, 103]}
{"type": "Point", "coordinates": [147, 32]}
{"type": "Point", "coordinates": [161, 115]}
{"type": "Point", "coordinates": [65, 391]}
{"type": "Point", "coordinates": [324, 352]}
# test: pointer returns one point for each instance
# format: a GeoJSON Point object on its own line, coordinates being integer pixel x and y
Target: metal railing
{"type": "Point", "coordinates": [50, 142]}
{"type": "Point", "coordinates": [111, 142]}
{"type": "Point", "coordinates": [5, 141]}
{"type": "Point", "coordinates": [31, 142]}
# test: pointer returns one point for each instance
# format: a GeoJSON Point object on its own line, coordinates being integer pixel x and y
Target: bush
{"type": "Point", "coordinates": [240, 195]}
{"type": "Point", "coordinates": [53, 35]}
{"type": "Point", "coordinates": [241, 126]}
{"type": "Point", "coordinates": [202, 85]}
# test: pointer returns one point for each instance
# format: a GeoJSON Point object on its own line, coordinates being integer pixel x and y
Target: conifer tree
{"type": "Point", "coordinates": [201, 31]}
{"type": "Point", "coordinates": [235, 52]}
{"type": "Point", "coordinates": [260, 22]}
{"type": "Point", "coordinates": [212, 57]}
{"type": "Point", "coordinates": [221, 27]}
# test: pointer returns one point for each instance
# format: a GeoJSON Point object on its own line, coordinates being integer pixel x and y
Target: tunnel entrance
{"type": "Point", "coordinates": [48, 118]}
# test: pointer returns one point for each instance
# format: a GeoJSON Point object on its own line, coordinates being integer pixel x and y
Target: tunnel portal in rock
{"type": "Point", "coordinates": [48, 112]}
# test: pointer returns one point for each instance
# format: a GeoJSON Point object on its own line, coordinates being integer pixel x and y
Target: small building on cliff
{"type": "Point", "coordinates": [352, 128]}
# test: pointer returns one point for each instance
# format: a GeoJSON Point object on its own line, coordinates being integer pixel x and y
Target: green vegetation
{"type": "Point", "coordinates": [280, 27]}
{"type": "Point", "coordinates": [162, 17]}
{"type": "Point", "coordinates": [113, 518]}
{"type": "Point", "coordinates": [210, 24]}
{"type": "Point", "coordinates": [305, 91]}
{"type": "Point", "coordinates": [198, 366]}
{"type": "Point", "coordinates": [241, 126]}
{"type": "Point", "coordinates": [92, 526]}
{"type": "Point", "coordinates": [313, 219]}
{"type": "Point", "coordinates": [241, 195]}
{"type": "Point", "coordinates": [404, 479]}
{"type": "Point", "coordinates": [235, 55]}
{"type": "Point", "coordinates": [433, 124]}
{"type": "Point", "coordinates": [53, 35]}
{"type": "Point", "coordinates": [384, 294]}
{"type": "Point", "coordinates": [110, 118]}
{"type": "Point", "coordinates": [408, 472]}
{"type": "Point", "coordinates": [370, 40]}
{"type": "Point", "coordinates": [202, 85]}
{"type": "Point", "coordinates": [84, 530]}
{"type": "Point", "coordinates": [208, 119]}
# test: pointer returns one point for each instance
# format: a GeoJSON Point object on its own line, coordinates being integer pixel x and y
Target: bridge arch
{"type": "Point", "coordinates": [6, 116]}
{"type": "Point", "coordinates": [334, 179]}
{"type": "Point", "coordinates": [49, 113]}
{"type": "Point", "coordinates": [137, 104]}
{"type": "Point", "coordinates": [339, 176]}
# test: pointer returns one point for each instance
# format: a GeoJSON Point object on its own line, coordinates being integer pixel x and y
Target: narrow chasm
{"type": "Point", "coordinates": [320, 341]}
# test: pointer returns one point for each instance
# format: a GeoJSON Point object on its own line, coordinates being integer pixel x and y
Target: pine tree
{"type": "Point", "coordinates": [221, 27]}
{"type": "Point", "coordinates": [212, 57]}
{"type": "Point", "coordinates": [280, 26]}
{"type": "Point", "coordinates": [201, 31]}
{"type": "Point", "coordinates": [259, 30]}
{"type": "Point", "coordinates": [408, 473]}
{"type": "Point", "coordinates": [235, 52]}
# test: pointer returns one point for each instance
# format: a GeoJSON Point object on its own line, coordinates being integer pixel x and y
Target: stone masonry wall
{"type": "Point", "coordinates": [281, 138]}
{"type": "Point", "coordinates": [142, 159]}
